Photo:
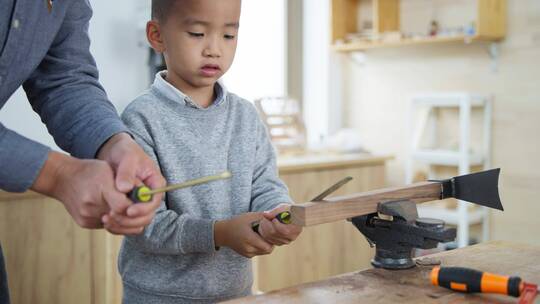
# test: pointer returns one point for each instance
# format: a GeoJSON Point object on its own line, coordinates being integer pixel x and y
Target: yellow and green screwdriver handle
{"type": "Point", "coordinates": [283, 217]}
{"type": "Point", "coordinates": [143, 194]}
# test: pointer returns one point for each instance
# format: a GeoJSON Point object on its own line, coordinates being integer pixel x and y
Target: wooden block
{"type": "Point", "coordinates": [344, 207]}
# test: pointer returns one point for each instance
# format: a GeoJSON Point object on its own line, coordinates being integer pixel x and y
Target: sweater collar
{"type": "Point", "coordinates": [175, 94]}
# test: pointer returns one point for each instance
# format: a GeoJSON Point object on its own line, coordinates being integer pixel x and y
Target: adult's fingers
{"type": "Point", "coordinates": [126, 174]}
{"type": "Point", "coordinates": [132, 222]}
{"type": "Point", "coordinates": [151, 176]}
{"type": "Point", "coordinates": [144, 209]}
{"type": "Point", "coordinates": [114, 227]}
{"type": "Point", "coordinates": [117, 201]}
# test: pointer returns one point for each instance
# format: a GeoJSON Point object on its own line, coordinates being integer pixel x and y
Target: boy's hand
{"type": "Point", "coordinates": [237, 234]}
{"type": "Point", "coordinates": [275, 232]}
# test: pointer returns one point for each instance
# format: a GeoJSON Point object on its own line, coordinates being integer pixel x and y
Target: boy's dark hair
{"type": "Point", "coordinates": [161, 9]}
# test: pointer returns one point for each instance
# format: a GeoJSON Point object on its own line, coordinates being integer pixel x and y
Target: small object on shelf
{"type": "Point", "coordinates": [433, 28]}
{"type": "Point", "coordinates": [363, 36]}
{"type": "Point", "coordinates": [391, 36]}
{"type": "Point", "coordinates": [470, 30]}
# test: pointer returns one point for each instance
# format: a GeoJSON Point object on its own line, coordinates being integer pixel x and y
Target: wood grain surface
{"type": "Point", "coordinates": [344, 207]}
{"type": "Point", "coordinates": [413, 285]}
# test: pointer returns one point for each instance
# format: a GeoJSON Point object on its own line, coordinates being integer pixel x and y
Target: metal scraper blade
{"type": "Point", "coordinates": [478, 188]}
{"type": "Point", "coordinates": [332, 189]}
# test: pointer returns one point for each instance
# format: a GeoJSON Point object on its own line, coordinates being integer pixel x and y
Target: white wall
{"type": "Point", "coordinates": [259, 65]}
{"type": "Point", "coordinates": [121, 62]}
{"type": "Point", "coordinates": [378, 91]}
{"type": "Point", "coordinates": [322, 74]}
{"type": "Point", "coordinates": [316, 68]}
{"type": "Point", "coordinates": [118, 45]}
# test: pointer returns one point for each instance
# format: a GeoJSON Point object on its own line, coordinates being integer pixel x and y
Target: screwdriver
{"type": "Point", "coordinates": [470, 280]}
{"type": "Point", "coordinates": [285, 216]}
{"type": "Point", "coordinates": [144, 194]}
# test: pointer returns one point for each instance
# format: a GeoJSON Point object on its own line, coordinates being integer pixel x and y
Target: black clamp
{"type": "Point", "coordinates": [397, 233]}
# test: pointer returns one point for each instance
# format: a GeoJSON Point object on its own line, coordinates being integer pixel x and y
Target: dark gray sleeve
{"type": "Point", "coordinates": [64, 89]}
{"type": "Point", "coordinates": [268, 190]}
{"type": "Point", "coordinates": [169, 232]}
{"type": "Point", "coordinates": [21, 160]}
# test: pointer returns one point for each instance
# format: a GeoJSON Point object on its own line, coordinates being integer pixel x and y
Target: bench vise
{"type": "Point", "coordinates": [396, 230]}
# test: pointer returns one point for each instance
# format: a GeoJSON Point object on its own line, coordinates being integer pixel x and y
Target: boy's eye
{"type": "Point", "coordinates": [193, 34]}
{"type": "Point", "coordinates": [229, 37]}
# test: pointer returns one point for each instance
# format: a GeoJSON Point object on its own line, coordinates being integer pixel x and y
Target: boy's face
{"type": "Point", "coordinates": [199, 39]}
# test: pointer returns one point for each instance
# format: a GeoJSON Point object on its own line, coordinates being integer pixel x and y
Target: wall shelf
{"type": "Point", "coordinates": [362, 46]}
{"type": "Point", "coordinates": [490, 25]}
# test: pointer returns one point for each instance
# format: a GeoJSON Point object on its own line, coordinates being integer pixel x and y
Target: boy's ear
{"type": "Point", "coordinates": [153, 34]}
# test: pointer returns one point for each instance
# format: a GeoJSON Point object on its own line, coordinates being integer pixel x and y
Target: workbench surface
{"type": "Point", "coordinates": [413, 285]}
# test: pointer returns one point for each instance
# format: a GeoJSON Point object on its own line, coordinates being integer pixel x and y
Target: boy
{"type": "Point", "coordinates": [198, 245]}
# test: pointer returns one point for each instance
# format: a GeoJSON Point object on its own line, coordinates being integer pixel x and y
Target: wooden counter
{"type": "Point", "coordinates": [413, 285]}
{"type": "Point", "coordinates": [314, 162]}
{"type": "Point", "coordinates": [52, 260]}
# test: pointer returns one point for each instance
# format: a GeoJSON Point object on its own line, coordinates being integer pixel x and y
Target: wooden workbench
{"type": "Point", "coordinates": [413, 285]}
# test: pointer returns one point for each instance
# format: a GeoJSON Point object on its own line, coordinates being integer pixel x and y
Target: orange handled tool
{"type": "Point", "coordinates": [470, 280]}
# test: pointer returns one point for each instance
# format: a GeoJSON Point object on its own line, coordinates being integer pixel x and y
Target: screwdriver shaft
{"type": "Point", "coordinates": [190, 183]}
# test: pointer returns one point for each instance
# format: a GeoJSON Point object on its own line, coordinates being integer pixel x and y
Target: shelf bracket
{"type": "Point", "coordinates": [359, 57]}
{"type": "Point", "coordinates": [493, 51]}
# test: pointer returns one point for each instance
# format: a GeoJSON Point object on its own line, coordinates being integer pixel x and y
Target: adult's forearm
{"type": "Point", "coordinates": [21, 160]}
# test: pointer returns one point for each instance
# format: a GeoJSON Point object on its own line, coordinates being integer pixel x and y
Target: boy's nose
{"type": "Point", "coordinates": [212, 50]}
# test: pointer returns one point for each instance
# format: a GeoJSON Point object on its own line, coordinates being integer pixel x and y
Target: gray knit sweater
{"type": "Point", "coordinates": [175, 259]}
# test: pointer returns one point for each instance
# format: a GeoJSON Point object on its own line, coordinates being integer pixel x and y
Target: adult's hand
{"type": "Point", "coordinates": [84, 187]}
{"type": "Point", "coordinates": [132, 168]}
